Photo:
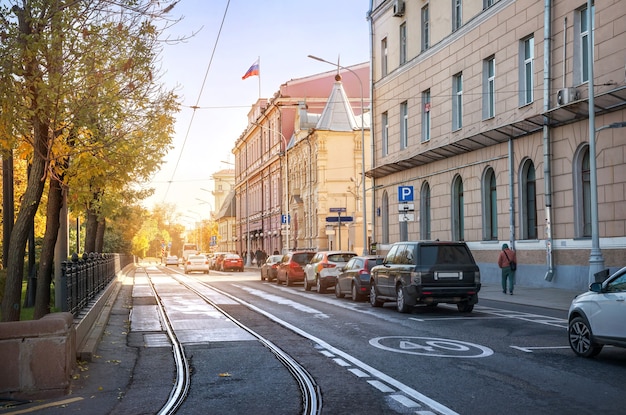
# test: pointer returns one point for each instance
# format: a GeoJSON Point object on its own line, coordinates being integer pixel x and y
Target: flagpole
{"type": "Point", "coordinates": [259, 63]}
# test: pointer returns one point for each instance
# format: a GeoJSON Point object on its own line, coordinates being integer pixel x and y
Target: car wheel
{"type": "Point", "coordinates": [356, 295]}
{"type": "Point", "coordinates": [277, 280]}
{"type": "Point", "coordinates": [338, 292]}
{"type": "Point", "coordinates": [401, 304]}
{"type": "Point", "coordinates": [581, 338]}
{"type": "Point", "coordinates": [319, 284]}
{"type": "Point", "coordinates": [307, 287]}
{"type": "Point", "coordinates": [374, 300]}
{"type": "Point", "coordinates": [465, 307]}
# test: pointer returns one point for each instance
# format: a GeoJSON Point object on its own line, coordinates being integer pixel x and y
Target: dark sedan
{"type": "Point", "coordinates": [270, 267]}
{"type": "Point", "coordinates": [354, 277]}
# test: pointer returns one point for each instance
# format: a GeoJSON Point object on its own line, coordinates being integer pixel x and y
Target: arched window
{"type": "Point", "coordinates": [528, 202]}
{"type": "Point", "coordinates": [582, 192]}
{"type": "Point", "coordinates": [457, 215]}
{"type": "Point", "coordinates": [425, 211]}
{"type": "Point", "coordinates": [490, 206]}
{"type": "Point", "coordinates": [385, 216]}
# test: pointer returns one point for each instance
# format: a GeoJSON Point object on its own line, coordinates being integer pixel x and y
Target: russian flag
{"type": "Point", "coordinates": [254, 70]}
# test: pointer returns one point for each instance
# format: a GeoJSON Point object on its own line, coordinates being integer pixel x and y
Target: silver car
{"type": "Point", "coordinates": [198, 263]}
{"type": "Point", "coordinates": [597, 317]}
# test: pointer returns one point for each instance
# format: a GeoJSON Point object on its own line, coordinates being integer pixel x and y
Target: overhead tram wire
{"type": "Point", "coordinates": [196, 106]}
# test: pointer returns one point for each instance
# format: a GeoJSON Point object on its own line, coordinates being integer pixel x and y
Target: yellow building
{"type": "Point", "coordinates": [482, 107]}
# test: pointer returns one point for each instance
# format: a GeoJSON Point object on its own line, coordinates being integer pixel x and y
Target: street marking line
{"type": "Point", "coordinates": [359, 373]}
{"type": "Point", "coordinates": [531, 348]}
{"type": "Point", "coordinates": [380, 386]}
{"type": "Point", "coordinates": [405, 401]}
{"type": "Point", "coordinates": [44, 406]}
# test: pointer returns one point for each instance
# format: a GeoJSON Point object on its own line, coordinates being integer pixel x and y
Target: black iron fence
{"type": "Point", "coordinates": [83, 278]}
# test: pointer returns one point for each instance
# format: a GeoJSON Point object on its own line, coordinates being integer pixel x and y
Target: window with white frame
{"type": "Point", "coordinates": [383, 57]}
{"type": "Point", "coordinates": [385, 133]}
{"type": "Point", "coordinates": [528, 202]}
{"type": "Point", "coordinates": [426, 115]}
{"type": "Point", "coordinates": [457, 14]}
{"type": "Point", "coordinates": [490, 206]}
{"type": "Point", "coordinates": [425, 28]}
{"type": "Point", "coordinates": [527, 56]}
{"type": "Point", "coordinates": [425, 211]}
{"type": "Point", "coordinates": [489, 88]}
{"type": "Point", "coordinates": [488, 3]}
{"type": "Point", "coordinates": [402, 43]}
{"type": "Point", "coordinates": [404, 125]}
{"type": "Point", "coordinates": [582, 53]}
{"type": "Point", "coordinates": [457, 101]}
{"type": "Point", "coordinates": [457, 214]}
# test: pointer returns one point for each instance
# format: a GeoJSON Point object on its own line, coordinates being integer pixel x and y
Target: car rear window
{"type": "Point", "coordinates": [340, 257]}
{"type": "Point", "coordinates": [371, 263]}
{"type": "Point", "coordinates": [444, 254]}
{"type": "Point", "coordinates": [303, 258]}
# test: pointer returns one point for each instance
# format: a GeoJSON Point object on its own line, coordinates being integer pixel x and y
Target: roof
{"type": "Point", "coordinates": [338, 114]}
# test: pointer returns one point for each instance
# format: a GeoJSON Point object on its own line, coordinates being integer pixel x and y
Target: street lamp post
{"type": "Point", "coordinates": [364, 201]}
{"type": "Point", "coordinates": [596, 260]}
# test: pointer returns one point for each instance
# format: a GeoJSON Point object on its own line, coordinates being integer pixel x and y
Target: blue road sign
{"type": "Point", "coordinates": [285, 219]}
{"type": "Point", "coordinates": [405, 194]}
{"type": "Point", "coordinates": [336, 218]}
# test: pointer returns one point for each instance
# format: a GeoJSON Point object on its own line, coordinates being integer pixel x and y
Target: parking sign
{"type": "Point", "coordinates": [405, 194]}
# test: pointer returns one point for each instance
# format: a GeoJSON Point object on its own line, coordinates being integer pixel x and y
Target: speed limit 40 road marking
{"type": "Point", "coordinates": [431, 346]}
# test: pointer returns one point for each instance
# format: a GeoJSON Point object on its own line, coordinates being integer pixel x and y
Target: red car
{"type": "Point", "coordinates": [231, 262]}
{"type": "Point", "coordinates": [291, 269]}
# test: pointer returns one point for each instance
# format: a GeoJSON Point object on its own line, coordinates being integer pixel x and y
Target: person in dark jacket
{"type": "Point", "coordinates": [505, 258]}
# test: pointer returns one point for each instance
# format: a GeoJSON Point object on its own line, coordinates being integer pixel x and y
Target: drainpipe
{"type": "Point", "coordinates": [547, 170]}
{"type": "Point", "coordinates": [372, 146]}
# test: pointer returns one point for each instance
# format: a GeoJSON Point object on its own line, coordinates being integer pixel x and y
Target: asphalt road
{"type": "Point", "coordinates": [502, 358]}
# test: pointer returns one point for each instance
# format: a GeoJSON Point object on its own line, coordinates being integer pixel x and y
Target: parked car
{"type": "Point", "coordinates": [231, 262]}
{"type": "Point", "coordinates": [269, 267]}
{"type": "Point", "coordinates": [597, 317]}
{"type": "Point", "coordinates": [323, 269]}
{"type": "Point", "coordinates": [354, 277]}
{"type": "Point", "coordinates": [197, 262]}
{"type": "Point", "coordinates": [426, 272]}
{"type": "Point", "coordinates": [216, 260]}
{"type": "Point", "coordinates": [171, 260]}
{"type": "Point", "coordinates": [290, 269]}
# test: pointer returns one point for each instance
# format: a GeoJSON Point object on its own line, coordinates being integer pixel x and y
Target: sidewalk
{"type": "Point", "coordinates": [554, 298]}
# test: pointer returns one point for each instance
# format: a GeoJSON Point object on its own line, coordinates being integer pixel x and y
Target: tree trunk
{"type": "Point", "coordinates": [91, 229]}
{"type": "Point", "coordinates": [100, 235]}
{"type": "Point", "coordinates": [46, 259]}
{"type": "Point", "coordinates": [8, 203]}
{"type": "Point", "coordinates": [19, 236]}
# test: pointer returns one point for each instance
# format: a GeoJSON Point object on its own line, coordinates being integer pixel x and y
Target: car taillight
{"type": "Point", "coordinates": [327, 265]}
{"type": "Point", "coordinates": [363, 272]}
{"type": "Point", "coordinates": [294, 265]}
{"type": "Point", "coordinates": [477, 277]}
{"type": "Point", "coordinates": [416, 278]}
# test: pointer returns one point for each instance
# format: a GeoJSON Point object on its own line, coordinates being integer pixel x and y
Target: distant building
{"type": "Point", "coordinates": [482, 107]}
{"type": "Point", "coordinates": [268, 218]}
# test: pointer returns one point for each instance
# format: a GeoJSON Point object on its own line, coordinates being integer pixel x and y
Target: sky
{"type": "Point", "coordinates": [224, 39]}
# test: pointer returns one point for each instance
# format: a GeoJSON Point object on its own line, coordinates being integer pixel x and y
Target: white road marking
{"type": "Point", "coordinates": [530, 349]}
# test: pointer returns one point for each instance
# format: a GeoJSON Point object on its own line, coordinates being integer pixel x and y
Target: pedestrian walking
{"type": "Point", "coordinates": [507, 261]}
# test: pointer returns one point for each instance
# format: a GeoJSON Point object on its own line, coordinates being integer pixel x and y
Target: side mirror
{"type": "Point", "coordinates": [596, 287]}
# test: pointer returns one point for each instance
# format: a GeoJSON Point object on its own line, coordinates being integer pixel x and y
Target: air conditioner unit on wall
{"type": "Point", "coordinates": [567, 95]}
{"type": "Point", "coordinates": [398, 8]}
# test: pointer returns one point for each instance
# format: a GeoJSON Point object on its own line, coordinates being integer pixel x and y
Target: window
{"type": "Point", "coordinates": [527, 54]}
{"type": "Point", "coordinates": [383, 57]}
{"type": "Point", "coordinates": [458, 218]}
{"type": "Point", "coordinates": [425, 211]}
{"type": "Point", "coordinates": [425, 28]}
{"type": "Point", "coordinates": [582, 192]}
{"type": "Point", "coordinates": [528, 203]}
{"type": "Point", "coordinates": [582, 54]}
{"type": "Point", "coordinates": [402, 43]}
{"type": "Point", "coordinates": [385, 133]}
{"type": "Point", "coordinates": [457, 101]}
{"type": "Point", "coordinates": [490, 206]}
{"type": "Point", "coordinates": [457, 14]}
{"type": "Point", "coordinates": [426, 115]}
{"type": "Point", "coordinates": [404, 125]}
{"type": "Point", "coordinates": [488, 3]}
{"type": "Point", "coordinates": [489, 88]}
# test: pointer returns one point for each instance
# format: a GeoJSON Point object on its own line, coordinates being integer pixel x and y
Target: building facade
{"type": "Point", "coordinates": [263, 169]}
{"type": "Point", "coordinates": [482, 108]}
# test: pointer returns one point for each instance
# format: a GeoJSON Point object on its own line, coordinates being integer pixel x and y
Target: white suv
{"type": "Point", "coordinates": [597, 317]}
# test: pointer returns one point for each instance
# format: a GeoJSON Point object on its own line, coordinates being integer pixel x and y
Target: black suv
{"type": "Point", "coordinates": [426, 272]}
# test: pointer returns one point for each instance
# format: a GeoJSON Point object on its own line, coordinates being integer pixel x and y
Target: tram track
{"type": "Point", "coordinates": [309, 389]}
